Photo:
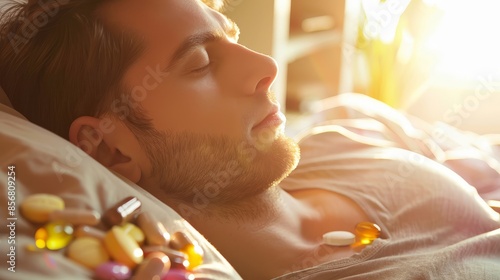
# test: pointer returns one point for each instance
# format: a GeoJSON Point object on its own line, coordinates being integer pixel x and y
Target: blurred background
{"type": "Point", "coordinates": [436, 59]}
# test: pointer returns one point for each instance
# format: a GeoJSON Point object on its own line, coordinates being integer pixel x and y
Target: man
{"type": "Point", "coordinates": [161, 92]}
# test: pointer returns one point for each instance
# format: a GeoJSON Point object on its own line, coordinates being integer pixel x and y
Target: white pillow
{"type": "Point", "coordinates": [46, 163]}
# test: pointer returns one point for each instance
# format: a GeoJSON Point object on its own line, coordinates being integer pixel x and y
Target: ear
{"type": "Point", "coordinates": [108, 142]}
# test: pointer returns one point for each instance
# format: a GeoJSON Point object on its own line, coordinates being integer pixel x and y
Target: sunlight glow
{"type": "Point", "coordinates": [466, 42]}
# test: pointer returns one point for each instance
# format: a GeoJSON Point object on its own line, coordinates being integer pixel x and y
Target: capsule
{"type": "Point", "coordinates": [164, 258]}
{"type": "Point", "coordinates": [180, 241]}
{"type": "Point", "coordinates": [151, 268]}
{"type": "Point", "coordinates": [76, 216]}
{"type": "Point", "coordinates": [178, 259]}
{"type": "Point", "coordinates": [122, 212]}
{"type": "Point", "coordinates": [54, 236]}
{"type": "Point", "coordinates": [155, 231]}
{"type": "Point", "coordinates": [88, 231]}
{"type": "Point", "coordinates": [367, 232]}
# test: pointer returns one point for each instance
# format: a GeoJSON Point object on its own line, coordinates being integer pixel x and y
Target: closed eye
{"type": "Point", "coordinates": [201, 69]}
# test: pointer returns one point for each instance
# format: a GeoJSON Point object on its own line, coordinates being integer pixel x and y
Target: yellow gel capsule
{"type": "Point", "coordinates": [123, 248]}
{"type": "Point", "coordinates": [180, 241]}
{"type": "Point", "coordinates": [54, 236]}
{"type": "Point", "coordinates": [36, 208]}
{"type": "Point", "coordinates": [135, 232]}
{"type": "Point", "coordinates": [88, 251]}
{"type": "Point", "coordinates": [195, 255]}
{"type": "Point", "coordinates": [366, 232]}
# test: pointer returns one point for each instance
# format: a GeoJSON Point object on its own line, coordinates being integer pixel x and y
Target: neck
{"type": "Point", "coordinates": [264, 234]}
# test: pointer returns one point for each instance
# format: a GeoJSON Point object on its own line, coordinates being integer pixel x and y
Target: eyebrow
{"type": "Point", "coordinates": [230, 30]}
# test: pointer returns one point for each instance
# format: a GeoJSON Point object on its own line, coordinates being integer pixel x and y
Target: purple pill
{"type": "Point", "coordinates": [112, 271]}
{"type": "Point", "coordinates": [178, 274]}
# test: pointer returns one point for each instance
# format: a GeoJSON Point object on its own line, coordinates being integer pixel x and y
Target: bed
{"type": "Point", "coordinates": [45, 163]}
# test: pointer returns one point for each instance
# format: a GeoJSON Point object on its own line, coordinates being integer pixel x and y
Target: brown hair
{"type": "Point", "coordinates": [58, 61]}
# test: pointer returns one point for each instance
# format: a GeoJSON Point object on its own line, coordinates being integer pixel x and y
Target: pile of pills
{"type": "Point", "coordinates": [134, 246]}
{"type": "Point", "coordinates": [364, 234]}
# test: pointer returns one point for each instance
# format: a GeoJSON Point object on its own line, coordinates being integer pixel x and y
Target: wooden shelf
{"type": "Point", "coordinates": [301, 45]}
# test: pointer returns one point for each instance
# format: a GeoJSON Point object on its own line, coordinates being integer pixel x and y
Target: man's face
{"type": "Point", "coordinates": [208, 97]}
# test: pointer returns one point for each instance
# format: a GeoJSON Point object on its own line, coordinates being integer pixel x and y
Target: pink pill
{"type": "Point", "coordinates": [112, 270]}
{"type": "Point", "coordinates": [178, 274]}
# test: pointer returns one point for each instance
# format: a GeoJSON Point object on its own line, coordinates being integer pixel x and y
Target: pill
{"type": "Point", "coordinates": [112, 270]}
{"type": "Point", "coordinates": [76, 216]}
{"type": "Point", "coordinates": [123, 211]}
{"type": "Point", "coordinates": [339, 238]}
{"type": "Point", "coordinates": [88, 251]}
{"type": "Point", "coordinates": [122, 247]}
{"type": "Point", "coordinates": [54, 236]}
{"type": "Point", "coordinates": [163, 257]}
{"type": "Point", "coordinates": [178, 259]}
{"type": "Point", "coordinates": [149, 269]}
{"type": "Point", "coordinates": [89, 231]}
{"type": "Point", "coordinates": [180, 241]}
{"type": "Point", "coordinates": [178, 274]}
{"type": "Point", "coordinates": [366, 232]}
{"type": "Point", "coordinates": [195, 255]}
{"type": "Point", "coordinates": [37, 207]}
{"type": "Point", "coordinates": [134, 232]}
{"type": "Point", "coordinates": [155, 231]}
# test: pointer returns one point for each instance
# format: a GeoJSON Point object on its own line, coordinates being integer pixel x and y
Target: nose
{"type": "Point", "coordinates": [255, 72]}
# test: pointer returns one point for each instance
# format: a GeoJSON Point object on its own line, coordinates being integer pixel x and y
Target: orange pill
{"type": "Point", "coordinates": [366, 232]}
{"type": "Point", "coordinates": [155, 231]}
{"type": "Point", "coordinates": [123, 248]}
{"type": "Point", "coordinates": [135, 232]}
{"type": "Point", "coordinates": [122, 212]}
{"type": "Point", "coordinates": [76, 216]}
{"type": "Point", "coordinates": [88, 251]}
{"type": "Point", "coordinates": [36, 208]}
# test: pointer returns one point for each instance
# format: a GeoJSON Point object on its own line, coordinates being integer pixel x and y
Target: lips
{"type": "Point", "coordinates": [273, 119]}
